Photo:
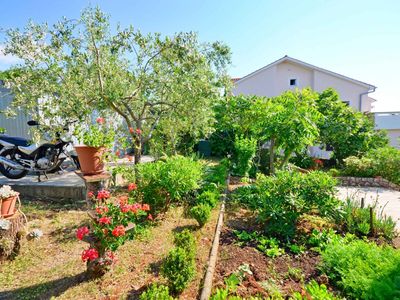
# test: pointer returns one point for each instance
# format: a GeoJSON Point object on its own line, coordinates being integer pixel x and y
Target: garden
{"type": "Point", "coordinates": [267, 208]}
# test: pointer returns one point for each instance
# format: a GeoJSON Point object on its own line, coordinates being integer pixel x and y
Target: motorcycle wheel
{"type": "Point", "coordinates": [8, 171]}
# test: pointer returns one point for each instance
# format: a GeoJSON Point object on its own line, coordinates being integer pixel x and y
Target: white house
{"type": "Point", "coordinates": [390, 121]}
{"type": "Point", "coordinates": [289, 73]}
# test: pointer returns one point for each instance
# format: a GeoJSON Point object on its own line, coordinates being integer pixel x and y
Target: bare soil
{"type": "Point", "coordinates": [268, 274]}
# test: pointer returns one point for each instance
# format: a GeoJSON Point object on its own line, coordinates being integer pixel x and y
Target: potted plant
{"type": "Point", "coordinates": [8, 198]}
{"type": "Point", "coordinates": [96, 140]}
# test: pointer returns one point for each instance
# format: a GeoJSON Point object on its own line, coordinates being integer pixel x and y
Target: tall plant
{"type": "Point", "coordinates": [77, 66]}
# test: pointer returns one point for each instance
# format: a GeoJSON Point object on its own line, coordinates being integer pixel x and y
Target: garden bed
{"type": "Point", "coordinates": [286, 273]}
{"type": "Point", "coordinates": [51, 265]}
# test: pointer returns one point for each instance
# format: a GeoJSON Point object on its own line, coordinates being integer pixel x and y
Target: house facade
{"type": "Point", "coordinates": [390, 121]}
{"type": "Point", "coordinates": [289, 73]}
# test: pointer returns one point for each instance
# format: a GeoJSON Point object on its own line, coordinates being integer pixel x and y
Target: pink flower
{"type": "Point", "coordinates": [131, 130]}
{"type": "Point", "coordinates": [100, 120]}
{"type": "Point", "coordinates": [90, 194]}
{"type": "Point", "coordinates": [138, 131]}
{"type": "Point", "coordinates": [132, 187]}
{"type": "Point", "coordinates": [145, 207]}
{"type": "Point", "coordinates": [103, 194]}
{"type": "Point", "coordinates": [150, 217]}
{"type": "Point", "coordinates": [105, 220]}
{"type": "Point", "coordinates": [101, 209]}
{"type": "Point", "coordinates": [81, 232]}
{"type": "Point", "coordinates": [125, 208]}
{"type": "Point", "coordinates": [89, 254]}
{"type": "Point", "coordinates": [123, 200]}
{"type": "Point", "coordinates": [118, 231]}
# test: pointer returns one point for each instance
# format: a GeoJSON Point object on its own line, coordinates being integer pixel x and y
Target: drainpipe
{"type": "Point", "coordinates": [365, 93]}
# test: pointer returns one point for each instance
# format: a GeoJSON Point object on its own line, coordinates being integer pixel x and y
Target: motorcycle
{"type": "Point", "coordinates": [18, 156]}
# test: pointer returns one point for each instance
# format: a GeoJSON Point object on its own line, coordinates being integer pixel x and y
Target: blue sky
{"type": "Point", "coordinates": [359, 39]}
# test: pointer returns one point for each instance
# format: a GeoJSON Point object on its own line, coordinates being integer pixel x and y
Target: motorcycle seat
{"type": "Point", "coordinates": [15, 140]}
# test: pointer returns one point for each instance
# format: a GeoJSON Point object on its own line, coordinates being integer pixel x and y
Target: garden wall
{"type": "Point", "coordinates": [368, 182]}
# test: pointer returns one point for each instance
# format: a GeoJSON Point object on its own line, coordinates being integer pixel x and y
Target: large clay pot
{"type": "Point", "coordinates": [90, 159]}
{"type": "Point", "coordinates": [8, 206]}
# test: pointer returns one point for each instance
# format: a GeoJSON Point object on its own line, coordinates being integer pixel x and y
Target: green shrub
{"type": "Point", "coordinates": [201, 213]}
{"type": "Point", "coordinates": [287, 195]}
{"type": "Point", "coordinates": [179, 269]}
{"type": "Point", "coordinates": [208, 197]}
{"type": "Point", "coordinates": [156, 292]}
{"type": "Point", "coordinates": [354, 219]}
{"type": "Point", "coordinates": [334, 172]}
{"type": "Point", "coordinates": [163, 182]}
{"type": "Point", "coordinates": [245, 151]}
{"type": "Point", "coordinates": [363, 270]}
{"type": "Point", "coordinates": [217, 174]}
{"type": "Point", "coordinates": [303, 160]}
{"type": "Point", "coordinates": [314, 291]}
{"type": "Point", "coordinates": [384, 162]}
{"type": "Point", "coordinates": [186, 241]}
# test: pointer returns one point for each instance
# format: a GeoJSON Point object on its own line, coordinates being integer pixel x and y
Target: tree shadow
{"type": "Point", "coordinates": [46, 290]}
{"type": "Point", "coordinates": [190, 227]}
{"type": "Point", "coordinates": [135, 293]}
{"type": "Point", "coordinates": [67, 233]}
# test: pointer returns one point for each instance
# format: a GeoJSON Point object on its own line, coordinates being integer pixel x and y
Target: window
{"type": "Point", "coordinates": [293, 82]}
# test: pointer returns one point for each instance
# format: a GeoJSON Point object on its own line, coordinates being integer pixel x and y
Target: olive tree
{"type": "Point", "coordinates": [78, 66]}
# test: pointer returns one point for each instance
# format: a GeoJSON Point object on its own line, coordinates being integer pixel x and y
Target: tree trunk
{"type": "Point", "coordinates": [272, 156]}
{"type": "Point", "coordinates": [285, 160]}
{"type": "Point", "coordinates": [138, 150]}
{"type": "Point", "coordinates": [10, 239]}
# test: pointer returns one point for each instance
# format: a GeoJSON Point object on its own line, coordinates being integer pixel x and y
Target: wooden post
{"type": "Point", "coordinates": [371, 221]}
{"type": "Point", "coordinates": [362, 202]}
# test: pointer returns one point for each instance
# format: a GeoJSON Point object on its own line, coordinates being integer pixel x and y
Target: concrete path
{"type": "Point", "coordinates": [58, 186]}
{"type": "Point", "coordinates": [387, 200]}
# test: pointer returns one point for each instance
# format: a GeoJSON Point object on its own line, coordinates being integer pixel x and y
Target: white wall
{"type": "Point", "coordinates": [261, 84]}
{"type": "Point", "coordinates": [275, 80]}
{"type": "Point", "coordinates": [394, 137]}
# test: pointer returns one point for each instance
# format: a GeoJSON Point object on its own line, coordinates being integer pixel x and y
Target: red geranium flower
{"type": "Point", "coordinates": [138, 131]}
{"type": "Point", "coordinates": [105, 220]}
{"type": "Point", "coordinates": [100, 120]}
{"type": "Point", "coordinates": [90, 194]}
{"type": "Point", "coordinates": [118, 231]}
{"type": "Point", "coordinates": [101, 209]}
{"type": "Point", "coordinates": [125, 208]}
{"type": "Point", "coordinates": [90, 254]}
{"type": "Point", "coordinates": [132, 187]}
{"type": "Point", "coordinates": [150, 217]}
{"type": "Point", "coordinates": [131, 130]}
{"type": "Point", "coordinates": [117, 153]}
{"type": "Point", "coordinates": [145, 207]}
{"type": "Point", "coordinates": [81, 232]}
{"type": "Point", "coordinates": [103, 194]}
{"type": "Point", "coordinates": [123, 200]}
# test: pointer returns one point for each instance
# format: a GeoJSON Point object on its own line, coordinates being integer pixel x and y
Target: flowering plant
{"type": "Point", "coordinates": [6, 192]}
{"type": "Point", "coordinates": [100, 134]}
{"type": "Point", "coordinates": [115, 220]}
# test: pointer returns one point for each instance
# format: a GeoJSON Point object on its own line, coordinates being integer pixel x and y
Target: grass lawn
{"type": "Point", "coordinates": [51, 266]}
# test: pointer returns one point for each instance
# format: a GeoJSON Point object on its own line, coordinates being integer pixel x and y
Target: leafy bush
{"type": "Point", "coordinates": [179, 269]}
{"type": "Point", "coordinates": [209, 198]}
{"type": "Point", "coordinates": [281, 199]}
{"type": "Point", "coordinates": [245, 151]}
{"type": "Point", "coordinates": [156, 292]}
{"type": "Point", "coordinates": [217, 174]}
{"type": "Point", "coordinates": [201, 213]}
{"type": "Point", "coordinates": [363, 270]}
{"type": "Point", "coordinates": [97, 135]}
{"type": "Point", "coordinates": [163, 182]}
{"type": "Point", "coordinates": [354, 219]}
{"type": "Point", "coordinates": [384, 162]}
{"type": "Point", "coordinates": [186, 241]}
{"type": "Point", "coordinates": [314, 291]}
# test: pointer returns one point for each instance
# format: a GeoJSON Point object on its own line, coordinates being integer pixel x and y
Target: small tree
{"type": "Point", "coordinates": [78, 66]}
{"type": "Point", "coordinates": [347, 131]}
{"type": "Point", "coordinates": [291, 123]}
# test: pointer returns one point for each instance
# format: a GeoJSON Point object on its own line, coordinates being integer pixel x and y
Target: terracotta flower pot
{"type": "Point", "coordinates": [90, 159]}
{"type": "Point", "coordinates": [8, 206]}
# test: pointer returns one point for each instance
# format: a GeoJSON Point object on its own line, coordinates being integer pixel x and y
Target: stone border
{"type": "Point", "coordinates": [212, 260]}
{"type": "Point", "coordinates": [368, 182]}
